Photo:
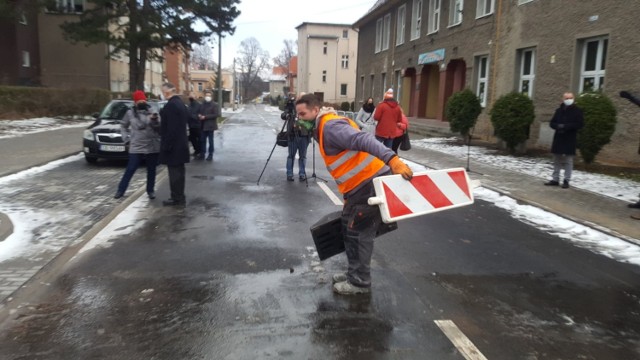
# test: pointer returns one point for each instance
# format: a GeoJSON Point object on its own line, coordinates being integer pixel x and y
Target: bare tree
{"type": "Point", "coordinates": [253, 61]}
{"type": "Point", "coordinates": [284, 58]}
{"type": "Point", "coordinates": [202, 58]}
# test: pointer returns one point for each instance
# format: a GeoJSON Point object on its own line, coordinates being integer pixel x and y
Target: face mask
{"type": "Point", "coordinates": [207, 98]}
{"type": "Point", "coordinates": [307, 125]}
{"type": "Point", "coordinates": [568, 102]}
{"type": "Point", "coordinates": [161, 96]}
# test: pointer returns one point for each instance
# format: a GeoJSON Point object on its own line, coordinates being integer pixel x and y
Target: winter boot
{"type": "Point", "coordinates": [346, 288]}
{"type": "Point", "coordinates": [552, 183]}
{"type": "Point", "coordinates": [341, 277]}
{"type": "Point", "coordinates": [565, 184]}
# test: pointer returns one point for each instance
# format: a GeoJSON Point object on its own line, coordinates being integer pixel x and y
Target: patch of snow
{"type": "Point", "coordinates": [39, 169]}
{"type": "Point", "coordinates": [17, 128]}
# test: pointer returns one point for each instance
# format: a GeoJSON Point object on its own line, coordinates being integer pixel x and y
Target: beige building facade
{"type": "Point", "coordinates": [327, 59]}
{"type": "Point", "coordinates": [429, 49]}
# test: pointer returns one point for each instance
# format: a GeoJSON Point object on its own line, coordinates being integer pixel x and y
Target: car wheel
{"type": "Point", "coordinates": [91, 160]}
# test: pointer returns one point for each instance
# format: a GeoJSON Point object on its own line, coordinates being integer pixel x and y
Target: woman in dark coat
{"type": "Point", "coordinates": [566, 121]}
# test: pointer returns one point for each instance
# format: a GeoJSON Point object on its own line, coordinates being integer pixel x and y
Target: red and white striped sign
{"type": "Point", "coordinates": [429, 191]}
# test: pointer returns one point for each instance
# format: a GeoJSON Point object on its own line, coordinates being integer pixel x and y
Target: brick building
{"type": "Point", "coordinates": [428, 49]}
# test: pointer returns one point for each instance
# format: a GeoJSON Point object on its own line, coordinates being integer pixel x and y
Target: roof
{"type": "Point", "coordinates": [376, 10]}
{"type": "Point", "coordinates": [322, 24]}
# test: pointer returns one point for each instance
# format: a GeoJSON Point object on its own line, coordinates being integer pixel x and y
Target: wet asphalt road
{"type": "Point", "coordinates": [232, 277]}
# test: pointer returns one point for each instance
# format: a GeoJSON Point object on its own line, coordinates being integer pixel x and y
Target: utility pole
{"type": "Point", "coordinates": [220, 70]}
{"type": "Point", "coordinates": [235, 94]}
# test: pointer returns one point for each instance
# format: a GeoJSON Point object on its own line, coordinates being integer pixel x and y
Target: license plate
{"type": "Point", "coordinates": [112, 148]}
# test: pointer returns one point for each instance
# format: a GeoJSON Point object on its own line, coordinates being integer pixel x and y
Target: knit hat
{"type": "Point", "coordinates": [389, 94]}
{"type": "Point", "coordinates": [139, 95]}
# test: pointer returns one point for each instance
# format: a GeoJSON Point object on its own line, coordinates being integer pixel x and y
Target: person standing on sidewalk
{"type": "Point", "coordinates": [174, 145]}
{"type": "Point", "coordinates": [634, 100]}
{"type": "Point", "coordinates": [194, 125]}
{"type": "Point", "coordinates": [141, 129]}
{"type": "Point", "coordinates": [298, 141]}
{"type": "Point", "coordinates": [389, 115]}
{"type": "Point", "coordinates": [365, 119]}
{"type": "Point", "coordinates": [353, 158]}
{"type": "Point", "coordinates": [401, 128]}
{"type": "Point", "coordinates": [566, 122]}
{"type": "Point", "coordinates": [209, 113]}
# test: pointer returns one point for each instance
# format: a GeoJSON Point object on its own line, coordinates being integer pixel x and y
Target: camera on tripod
{"type": "Point", "coordinates": [289, 109]}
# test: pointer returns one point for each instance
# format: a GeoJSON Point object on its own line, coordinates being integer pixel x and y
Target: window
{"type": "Point", "coordinates": [402, 14]}
{"type": "Point", "coordinates": [66, 6]}
{"type": "Point", "coordinates": [455, 12]}
{"type": "Point", "coordinates": [200, 87]}
{"type": "Point", "coordinates": [378, 35]}
{"type": "Point", "coordinates": [592, 69]}
{"type": "Point", "coordinates": [484, 8]}
{"type": "Point", "coordinates": [482, 70]}
{"type": "Point", "coordinates": [362, 87]}
{"type": "Point", "coordinates": [398, 85]}
{"type": "Point", "coordinates": [384, 81]}
{"type": "Point", "coordinates": [343, 89]}
{"type": "Point", "coordinates": [26, 59]}
{"type": "Point", "coordinates": [372, 86]}
{"type": "Point", "coordinates": [416, 20]}
{"type": "Point", "coordinates": [324, 76]}
{"type": "Point", "coordinates": [434, 16]}
{"type": "Point", "coordinates": [386, 32]}
{"type": "Point", "coordinates": [345, 61]}
{"type": "Point", "coordinates": [324, 48]}
{"type": "Point", "coordinates": [22, 18]}
{"type": "Point", "coordinates": [527, 71]}
{"type": "Point", "coordinates": [345, 34]}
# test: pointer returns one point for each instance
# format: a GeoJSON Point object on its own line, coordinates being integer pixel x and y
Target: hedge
{"type": "Point", "coordinates": [599, 124]}
{"type": "Point", "coordinates": [512, 115]}
{"type": "Point", "coordinates": [27, 102]}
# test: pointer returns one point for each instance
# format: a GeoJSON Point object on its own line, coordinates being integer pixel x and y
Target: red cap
{"type": "Point", "coordinates": [139, 95]}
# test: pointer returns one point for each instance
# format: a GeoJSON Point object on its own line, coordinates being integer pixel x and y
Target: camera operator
{"type": "Point", "coordinates": [298, 140]}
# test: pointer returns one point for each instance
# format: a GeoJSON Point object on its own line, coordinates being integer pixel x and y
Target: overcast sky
{"type": "Point", "coordinates": [271, 22]}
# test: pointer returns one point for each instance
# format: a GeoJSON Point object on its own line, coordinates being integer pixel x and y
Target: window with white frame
{"type": "Point", "coordinates": [400, 24]}
{"type": "Point", "coordinates": [22, 18]}
{"type": "Point", "coordinates": [66, 6]}
{"type": "Point", "coordinates": [482, 79]}
{"type": "Point", "coordinates": [324, 48]}
{"type": "Point", "coordinates": [362, 87]}
{"type": "Point", "coordinates": [372, 85]}
{"type": "Point", "coordinates": [26, 59]}
{"type": "Point", "coordinates": [592, 69]}
{"type": "Point", "coordinates": [343, 89]}
{"type": "Point", "coordinates": [345, 61]}
{"type": "Point", "coordinates": [520, 2]}
{"type": "Point", "coordinates": [434, 16]}
{"type": "Point", "coordinates": [384, 81]}
{"type": "Point", "coordinates": [484, 8]}
{"type": "Point", "coordinates": [416, 19]}
{"type": "Point", "coordinates": [527, 71]}
{"type": "Point", "coordinates": [324, 76]}
{"type": "Point", "coordinates": [455, 12]}
{"type": "Point", "coordinates": [387, 32]}
{"type": "Point", "coordinates": [345, 34]}
{"type": "Point", "coordinates": [398, 94]}
{"type": "Point", "coordinates": [378, 35]}
{"type": "Point", "coordinates": [200, 88]}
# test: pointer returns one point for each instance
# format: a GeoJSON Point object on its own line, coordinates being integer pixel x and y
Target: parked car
{"type": "Point", "coordinates": [103, 140]}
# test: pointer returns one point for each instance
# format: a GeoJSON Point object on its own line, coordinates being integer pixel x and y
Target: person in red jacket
{"type": "Point", "coordinates": [400, 130]}
{"type": "Point", "coordinates": [389, 116]}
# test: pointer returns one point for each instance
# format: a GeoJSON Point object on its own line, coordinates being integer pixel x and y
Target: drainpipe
{"type": "Point", "coordinates": [496, 48]}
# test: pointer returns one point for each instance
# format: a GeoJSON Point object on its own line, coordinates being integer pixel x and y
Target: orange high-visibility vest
{"type": "Point", "coordinates": [350, 167]}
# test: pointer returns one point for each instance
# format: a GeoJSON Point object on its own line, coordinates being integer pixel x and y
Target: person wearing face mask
{"type": "Point", "coordinates": [141, 129]}
{"type": "Point", "coordinates": [566, 122]}
{"type": "Point", "coordinates": [194, 125]}
{"type": "Point", "coordinates": [364, 119]}
{"type": "Point", "coordinates": [209, 113]}
{"type": "Point", "coordinates": [353, 158]}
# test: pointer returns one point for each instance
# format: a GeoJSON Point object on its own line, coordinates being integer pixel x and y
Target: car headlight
{"type": "Point", "coordinates": [88, 134]}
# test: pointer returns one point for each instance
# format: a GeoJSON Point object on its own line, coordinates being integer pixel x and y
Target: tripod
{"type": "Point", "coordinates": [270, 154]}
{"type": "Point", "coordinates": [313, 161]}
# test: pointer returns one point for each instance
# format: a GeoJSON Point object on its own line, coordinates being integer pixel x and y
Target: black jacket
{"type": "Point", "coordinates": [194, 110]}
{"type": "Point", "coordinates": [174, 148]}
{"type": "Point", "coordinates": [566, 122]}
{"type": "Point", "coordinates": [211, 112]}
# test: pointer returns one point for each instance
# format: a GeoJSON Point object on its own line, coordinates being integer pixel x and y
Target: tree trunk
{"type": "Point", "coordinates": [133, 46]}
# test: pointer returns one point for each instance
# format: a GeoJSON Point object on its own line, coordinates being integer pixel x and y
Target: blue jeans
{"type": "Point", "coordinates": [298, 144]}
{"type": "Point", "coordinates": [206, 135]}
{"type": "Point", "coordinates": [386, 142]}
{"type": "Point", "coordinates": [132, 166]}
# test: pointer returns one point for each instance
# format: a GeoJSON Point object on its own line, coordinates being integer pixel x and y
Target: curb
{"type": "Point", "coordinates": [51, 270]}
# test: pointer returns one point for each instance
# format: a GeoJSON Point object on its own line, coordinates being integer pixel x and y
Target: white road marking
{"type": "Point", "coordinates": [336, 200]}
{"type": "Point", "coordinates": [459, 340]}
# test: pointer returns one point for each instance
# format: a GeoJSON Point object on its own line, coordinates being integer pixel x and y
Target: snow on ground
{"type": "Point", "coordinates": [610, 186]}
{"type": "Point", "coordinates": [231, 111]}
{"type": "Point", "coordinates": [16, 128]}
{"type": "Point", "coordinates": [580, 235]}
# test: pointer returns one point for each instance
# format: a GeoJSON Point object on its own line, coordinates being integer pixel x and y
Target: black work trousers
{"type": "Point", "coordinates": [177, 182]}
{"type": "Point", "coordinates": [194, 138]}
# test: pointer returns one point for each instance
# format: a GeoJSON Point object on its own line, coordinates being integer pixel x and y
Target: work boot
{"type": "Point", "coordinates": [289, 178]}
{"type": "Point", "coordinates": [118, 195]}
{"type": "Point", "coordinates": [635, 205]}
{"type": "Point", "coordinates": [346, 288]}
{"type": "Point", "coordinates": [565, 184]}
{"type": "Point", "coordinates": [552, 183]}
{"type": "Point", "coordinates": [210, 157]}
{"type": "Point", "coordinates": [303, 177]}
{"type": "Point", "coordinates": [340, 277]}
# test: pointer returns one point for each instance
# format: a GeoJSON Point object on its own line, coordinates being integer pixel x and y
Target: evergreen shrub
{"type": "Point", "coordinates": [462, 111]}
{"type": "Point", "coordinates": [511, 116]}
{"type": "Point", "coordinates": [599, 124]}
{"type": "Point", "coordinates": [345, 106]}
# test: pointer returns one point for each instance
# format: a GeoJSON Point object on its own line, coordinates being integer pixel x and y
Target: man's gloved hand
{"type": "Point", "coordinates": [398, 167]}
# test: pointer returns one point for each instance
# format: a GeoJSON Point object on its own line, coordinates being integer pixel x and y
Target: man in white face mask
{"type": "Point", "coordinates": [566, 121]}
{"type": "Point", "coordinates": [209, 113]}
